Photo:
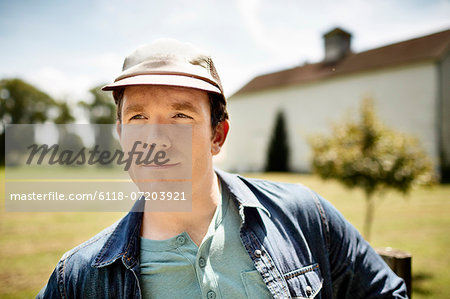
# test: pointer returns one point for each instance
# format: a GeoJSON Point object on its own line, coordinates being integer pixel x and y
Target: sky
{"type": "Point", "coordinates": [67, 47]}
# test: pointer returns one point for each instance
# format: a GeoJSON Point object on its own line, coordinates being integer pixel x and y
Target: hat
{"type": "Point", "coordinates": [169, 62]}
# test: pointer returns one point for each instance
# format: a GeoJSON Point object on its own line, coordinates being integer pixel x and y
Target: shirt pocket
{"type": "Point", "coordinates": [254, 285]}
{"type": "Point", "coordinates": [305, 282]}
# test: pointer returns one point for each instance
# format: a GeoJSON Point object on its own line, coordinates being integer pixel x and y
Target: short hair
{"type": "Point", "coordinates": [217, 104]}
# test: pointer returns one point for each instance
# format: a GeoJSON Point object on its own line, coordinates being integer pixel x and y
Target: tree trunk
{"type": "Point", "coordinates": [369, 217]}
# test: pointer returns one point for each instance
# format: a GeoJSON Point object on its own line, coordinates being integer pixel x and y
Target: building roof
{"type": "Point", "coordinates": [432, 47]}
{"type": "Point", "coordinates": [337, 30]}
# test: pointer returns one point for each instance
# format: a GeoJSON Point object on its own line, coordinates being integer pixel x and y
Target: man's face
{"type": "Point", "coordinates": [164, 105]}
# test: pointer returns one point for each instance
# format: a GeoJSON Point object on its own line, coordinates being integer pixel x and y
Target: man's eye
{"type": "Point", "coordinates": [182, 115]}
{"type": "Point", "coordinates": [138, 116]}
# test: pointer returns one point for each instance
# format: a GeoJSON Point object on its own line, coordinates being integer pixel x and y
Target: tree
{"type": "Point", "coordinates": [370, 156]}
{"type": "Point", "coordinates": [64, 115]}
{"type": "Point", "coordinates": [102, 111]}
{"type": "Point", "coordinates": [22, 103]}
{"type": "Point", "coordinates": [278, 151]}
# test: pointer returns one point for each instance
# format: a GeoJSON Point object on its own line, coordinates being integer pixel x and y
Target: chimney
{"type": "Point", "coordinates": [337, 45]}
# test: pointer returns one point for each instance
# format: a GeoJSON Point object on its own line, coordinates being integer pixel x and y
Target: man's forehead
{"type": "Point", "coordinates": [137, 98]}
{"type": "Point", "coordinates": [183, 105]}
{"type": "Point", "coordinates": [149, 90]}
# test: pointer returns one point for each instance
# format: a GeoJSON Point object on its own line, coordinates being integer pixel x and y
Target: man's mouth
{"type": "Point", "coordinates": [162, 166]}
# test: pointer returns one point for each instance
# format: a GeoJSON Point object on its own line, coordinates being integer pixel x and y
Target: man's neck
{"type": "Point", "coordinates": [165, 225]}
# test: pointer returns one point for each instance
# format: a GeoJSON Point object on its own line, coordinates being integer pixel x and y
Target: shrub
{"type": "Point", "coordinates": [371, 156]}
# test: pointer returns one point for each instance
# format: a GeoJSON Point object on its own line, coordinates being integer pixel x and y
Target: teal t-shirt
{"type": "Point", "coordinates": [219, 268]}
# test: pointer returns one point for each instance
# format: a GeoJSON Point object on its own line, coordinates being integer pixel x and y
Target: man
{"type": "Point", "coordinates": [244, 238]}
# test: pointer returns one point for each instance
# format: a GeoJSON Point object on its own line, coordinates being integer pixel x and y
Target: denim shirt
{"type": "Point", "coordinates": [300, 244]}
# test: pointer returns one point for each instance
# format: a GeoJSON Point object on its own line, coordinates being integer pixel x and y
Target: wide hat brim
{"type": "Point", "coordinates": [164, 79]}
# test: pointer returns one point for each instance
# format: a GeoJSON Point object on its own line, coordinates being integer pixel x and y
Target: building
{"type": "Point", "coordinates": [409, 82]}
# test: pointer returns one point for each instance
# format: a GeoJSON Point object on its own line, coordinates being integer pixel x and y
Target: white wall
{"type": "Point", "coordinates": [405, 98]}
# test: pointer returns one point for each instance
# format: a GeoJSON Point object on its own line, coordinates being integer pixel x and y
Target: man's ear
{"type": "Point", "coordinates": [219, 137]}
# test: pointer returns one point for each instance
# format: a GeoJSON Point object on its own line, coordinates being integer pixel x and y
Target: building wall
{"type": "Point", "coordinates": [405, 98]}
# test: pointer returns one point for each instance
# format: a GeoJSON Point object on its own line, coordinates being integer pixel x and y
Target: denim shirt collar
{"type": "Point", "coordinates": [124, 241]}
{"type": "Point", "coordinates": [240, 191]}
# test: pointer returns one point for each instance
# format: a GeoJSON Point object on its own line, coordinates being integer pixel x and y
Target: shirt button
{"type": "Point", "coordinates": [211, 295]}
{"type": "Point", "coordinates": [181, 240]}
{"type": "Point", "coordinates": [257, 253]}
{"type": "Point", "coordinates": [308, 290]}
{"type": "Point", "coordinates": [202, 262]}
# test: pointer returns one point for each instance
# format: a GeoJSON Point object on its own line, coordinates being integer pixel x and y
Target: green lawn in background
{"type": "Point", "coordinates": [32, 243]}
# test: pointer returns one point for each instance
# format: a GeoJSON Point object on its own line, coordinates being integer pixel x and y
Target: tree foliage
{"type": "Point", "coordinates": [22, 103]}
{"type": "Point", "coordinates": [101, 109]}
{"type": "Point", "coordinates": [64, 114]}
{"type": "Point", "coordinates": [278, 151]}
{"type": "Point", "coordinates": [371, 156]}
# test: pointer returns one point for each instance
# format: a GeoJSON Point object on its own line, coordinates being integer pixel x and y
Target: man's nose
{"type": "Point", "coordinates": [158, 134]}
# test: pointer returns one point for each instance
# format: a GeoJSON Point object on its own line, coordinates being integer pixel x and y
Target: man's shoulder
{"type": "Point", "coordinates": [287, 198]}
{"type": "Point", "coordinates": [83, 256]}
{"type": "Point", "coordinates": [282, 193]}
{"type": "Point", "coordinates": [78, 269]}
{"type": "Point", "coordinates": [277, 185]}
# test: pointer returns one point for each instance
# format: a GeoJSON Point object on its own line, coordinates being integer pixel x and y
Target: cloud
{"type": "Point", "coordinates": [106, 61]}
{"type": "Point", "coordinates": [284, 31]}
{"type": "Point", "coordinates": [290, 32]}
{"type": "Point", "coordinates": [73, 81]}
{"type": "Point", "coordinates": [59, 84]}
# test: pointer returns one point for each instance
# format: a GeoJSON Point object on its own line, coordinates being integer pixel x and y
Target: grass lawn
{"type": "Point", "coordinates": [32, 243]}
